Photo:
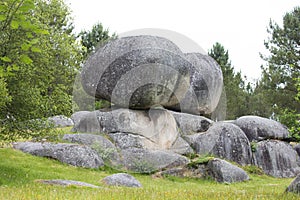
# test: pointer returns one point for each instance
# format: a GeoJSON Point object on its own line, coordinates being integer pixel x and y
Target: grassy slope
{"type": "Point", "coordinates": [18, 172]}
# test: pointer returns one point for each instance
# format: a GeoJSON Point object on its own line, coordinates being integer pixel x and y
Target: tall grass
{"type": "Point", "coordinates": [19, 172]}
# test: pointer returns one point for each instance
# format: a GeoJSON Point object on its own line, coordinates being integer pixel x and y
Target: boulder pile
{"type": "Point", "coordinates": [157, 94]}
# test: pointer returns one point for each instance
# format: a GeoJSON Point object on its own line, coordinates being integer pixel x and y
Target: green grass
{"type": "Point", "coordinates": [18, 172]}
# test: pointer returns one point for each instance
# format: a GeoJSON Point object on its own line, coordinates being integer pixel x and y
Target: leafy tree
{"type": "Point", "coordinates": [39, 61]}
{"type": "Point", "coordinates": [94, 38]}
{"type": "Point", "coordinates": [279, 84]}
{"type": "Point", "coordinates": [236, 95]}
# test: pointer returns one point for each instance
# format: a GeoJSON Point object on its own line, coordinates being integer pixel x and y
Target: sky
{"type": "Point", "coordinates": [240, 26]}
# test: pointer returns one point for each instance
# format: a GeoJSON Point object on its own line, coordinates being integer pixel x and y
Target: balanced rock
{"type": "Point", "coordinates": [223, 171]}
{"type": "Point", "coordinates": [259, 128]}
{"type": "Point", "coordinates": [121, 179]}
{"type": "Point", "coordinates": [137, 72]}
{"type": "Point", "coordinates": [277, 158]}
{"type": "Point", "coordinates": [224, 140]}
{"type": "Point", "coordinates": [206, 84]}
{"type": "Point", "coordinates": [72, 154]}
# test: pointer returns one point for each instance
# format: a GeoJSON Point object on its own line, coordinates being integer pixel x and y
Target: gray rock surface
{"type": "Point", "coordinates": [224, 140]}
{"type": "Point", "coordinates": [181, 147]}
{"type": "Point", "coordinates": [160, 71]}
{"type": "Point", "coordinates": [259, 128]}
{"type": "Point", "coordinates": [148, 161]}
{"type": "Point", "coordinates": [224, 172]}
{"type": "Point", "coordinates": [157, 127]}
{"type": "Point", "coordinates": [127, 140]}
{"type": "Point", "coordinates": [61, 121]}
{"type": "Point", "coordinates": [88, 123]}
{"type": "Point", "coordinates": [104, 147]}
{"type": "Point", "coordinates": [61, 182]}
{"type": "Point", "coordinates": [76, 117]}
{"type": "Point", "coordinates": [191, 124]}
{"type": "Point", "coordinates": [277, 158]}
{"type": "Point", "coordinates": [294, 186]}
{"type": "Point", "coordinates": [297, 149]}
{"type": "Point", "coordinates": [206, 84]}
{"type": "Point", "coordinates": [121, 179]}
{"type": "Point", "coordinates": [73, 154]}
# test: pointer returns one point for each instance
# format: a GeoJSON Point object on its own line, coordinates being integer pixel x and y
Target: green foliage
{"type": "Point", "coordinates": [39, 59]}
{"type": "Point", "coordinates": [237, 93]}
{"type": "Point", "coordinates": [12, 130]}
{"type": "Point", "coordinates": [200, 159]}
{"type": "Point", "coordinates": [94, 38]}
{"type": "Point", "coordinates": [252, 169]}
{"type": "Point", "coordinates": [292, 120]}
{"type": "Point", "coordinates": [253, 146]}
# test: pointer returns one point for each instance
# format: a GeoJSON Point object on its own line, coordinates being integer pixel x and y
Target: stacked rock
{"type": "Point", "coordinates": [142, 75]}
{"type": "Point", "coordinates": [140, 72]}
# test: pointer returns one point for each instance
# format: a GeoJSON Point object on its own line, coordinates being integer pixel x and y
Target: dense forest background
{"type": "Point", "coordinates": [40, 57]}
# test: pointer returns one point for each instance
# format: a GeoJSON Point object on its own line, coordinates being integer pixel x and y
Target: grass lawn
{"type": "Point", "coordinates": [18, 172]}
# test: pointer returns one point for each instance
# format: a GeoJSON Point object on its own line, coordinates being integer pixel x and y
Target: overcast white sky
{"type": "Point", "coordinates": [240, 26]}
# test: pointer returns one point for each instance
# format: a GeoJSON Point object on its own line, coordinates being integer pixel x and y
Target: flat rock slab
{"type": "Point", "coordinates": [224, 140]}
{"type": "Point", "coordinates": [259, 128]}
{"type": "Point", "coordinates": [61, 182]}
{"type": "Point", "coordinates": [157, 126]}
{"type": "Point", "coordinates": [72, 154]}
{"type": "Point", "coordinates": [277, 158]}
{"type": "Point", "coordinates": [121, 179]}
{"type": "Point", "coordinates": [148, 161]}
{"type": "Point", "coordinates": [225, 172]}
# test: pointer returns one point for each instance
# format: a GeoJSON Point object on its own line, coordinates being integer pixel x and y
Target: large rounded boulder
{"type": "Point", "coordinates": [259, 128]}
{"type": "Point", "coordinates": [137, 72]}
{"type": "Point", "coordinates": [276, 158]}
{"type": "Point", "coordinates": [224, 140]}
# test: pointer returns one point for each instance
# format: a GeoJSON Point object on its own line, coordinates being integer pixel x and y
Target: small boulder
{"type": "Point", "coordinates": [72, 154]}
{"type": "Point", "coordinates": [224, 172]}
{"type": "Point", "coordinates": [259, 128]}
{"type": "Point", "coordinates": [61, 121]}
{"type": "Point", "coordinates": [189, 124]}
{"type": "Point", "coordinates": [277, 158]}
{"type": "Point", "coordinates": [294, 186]}
{"type": "Point", "coordinates": [121, 179]}
{"type": "Point", "coordinates": [224, 140]}
{"type": "Point", "coordinates": [148, 161]}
